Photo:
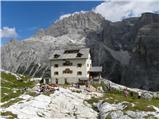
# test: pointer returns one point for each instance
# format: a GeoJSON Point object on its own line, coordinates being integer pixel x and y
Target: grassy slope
{"type": "Point", "coordinates": [11, 89]}
{"type": "Point", "coordinates": [140, 104]}
{"type": "Point", "coordinates": [115, 96]}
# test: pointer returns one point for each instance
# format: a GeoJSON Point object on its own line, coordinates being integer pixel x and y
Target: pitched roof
{"type": "Point", "coordinates": [70, 54]}
{"type": "Point", "coordinates": [96, 69]}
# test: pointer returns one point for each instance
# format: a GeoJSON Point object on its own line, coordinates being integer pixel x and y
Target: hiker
{"type": "Point", "coordinates": [38, 90]}
{"type": "Point", "coordinates": [42, 89]}
{"type": "Point", "coordinates": [139, 95]}
{"type": "Point", "coordinates": [109, 86]}
{"type": "Point", "coordinates": [125, 92]}
{"type": "Point", "coordinates": [78, 86]}
{"type": "Point", "coordinates": [131, 94]}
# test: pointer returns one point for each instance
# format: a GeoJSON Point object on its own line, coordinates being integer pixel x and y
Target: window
{"type": "Point", "coordinates": [79, 73]}
{"type": "Point", "coordinates": [70, 51]}
{"type": "Point", "coordinates": [56, 56]}
{"type": "Point", "coordinates": [56, 65]}
{"type": "Point", "coordinates": [79, 54]}
{"type": "Point", "coordinates": [67, 71]}
{"type": "Point", "coordinates": [87, 65]}
{"type": "Point", "coordinates": [67, 63]}
{"type": "Point", "coordinates": [79, 65]}
{"type": "Point", "coordinates": [56, 73]}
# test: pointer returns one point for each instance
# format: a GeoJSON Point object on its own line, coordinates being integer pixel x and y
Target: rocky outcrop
{"type": "Point", "coordinates": [111, 107]}
{"type": "Point", "coordinates": [148, 95]}
{"type": "Point", "coordinates": [117, 111]}
{"type": "Point", "coordinates": [127, 50]}
{"type": "Point", "coordinates": [61, 104]}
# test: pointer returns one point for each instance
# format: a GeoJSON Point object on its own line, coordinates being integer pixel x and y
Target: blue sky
{"type": "Point", "coordinates": [27, 17]}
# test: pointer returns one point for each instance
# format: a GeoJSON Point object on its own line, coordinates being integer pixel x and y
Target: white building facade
{"type": "Point", "coordinates": [70, 66]}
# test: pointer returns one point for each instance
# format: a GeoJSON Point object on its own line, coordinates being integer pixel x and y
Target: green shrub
{"type": "Point", "coordinates": [93, 100]}
{"type": "Point", "coordinates": [32, 93]}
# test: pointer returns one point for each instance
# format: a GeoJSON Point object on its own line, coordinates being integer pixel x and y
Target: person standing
{"type": "Point", "coordinates": [131, 94]}
{"type": "Point", "coordinates": [139, 95]}
{"type": "Point", "coordinates": [109, 86]}
{"type": "Point", "coordinates": [125, 92]}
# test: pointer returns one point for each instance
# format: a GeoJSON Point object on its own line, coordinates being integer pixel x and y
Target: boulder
{"type": "Point", "coordinates": [156, 95]}
{"type": "Point", "coordinates": [147, 96]}
{"type": "Point", "coordinates": [117, 115]}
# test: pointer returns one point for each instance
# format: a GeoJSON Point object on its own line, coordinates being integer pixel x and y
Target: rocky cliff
{"type": "Point", "coordinates": [127, 50]}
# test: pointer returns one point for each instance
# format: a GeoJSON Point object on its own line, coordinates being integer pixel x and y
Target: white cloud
{"type": "Point", "coordinates": [70, 14]}
{"type": "Point", "coordinates": [116, 10]}
{"type": "Point", "coordinates": [64, 16]}
{"type": "Point", "coordinates": [7, 32]}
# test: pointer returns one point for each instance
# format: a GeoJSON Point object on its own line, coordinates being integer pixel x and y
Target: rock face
{"type": "Point", "coordinates": [60, 104]}
{"type": "Point", "coordinates": [144, 60]}
{"type": "Point", "coordinates": [76, 24]}
{"type": "Point", "coordinates": [117, 111]}
{"type": "Point", "coordinates": [127, 50]}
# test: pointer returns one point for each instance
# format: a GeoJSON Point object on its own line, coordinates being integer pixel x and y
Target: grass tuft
{"type": "Point", "coordinates": [8, 115]}
{"type": "Point", "coordinates": [11, 102]}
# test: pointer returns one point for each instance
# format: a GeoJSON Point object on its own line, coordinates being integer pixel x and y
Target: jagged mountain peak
{"type": "Point", "coordinates": [77, 23]}
{"type": "Point", "coordinates": [79, 14]}
{"type": "Point", "coordinates": [147, 18]}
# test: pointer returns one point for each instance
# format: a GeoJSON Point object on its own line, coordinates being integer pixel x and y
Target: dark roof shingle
{"type": "Point", "coordinates": [70, 54]}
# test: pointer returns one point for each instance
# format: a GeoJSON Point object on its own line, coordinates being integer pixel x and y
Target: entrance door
{"type": "Point", "coordinates": [65, 80]}
{"type": "Point", "coordinates": [56, 81]}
